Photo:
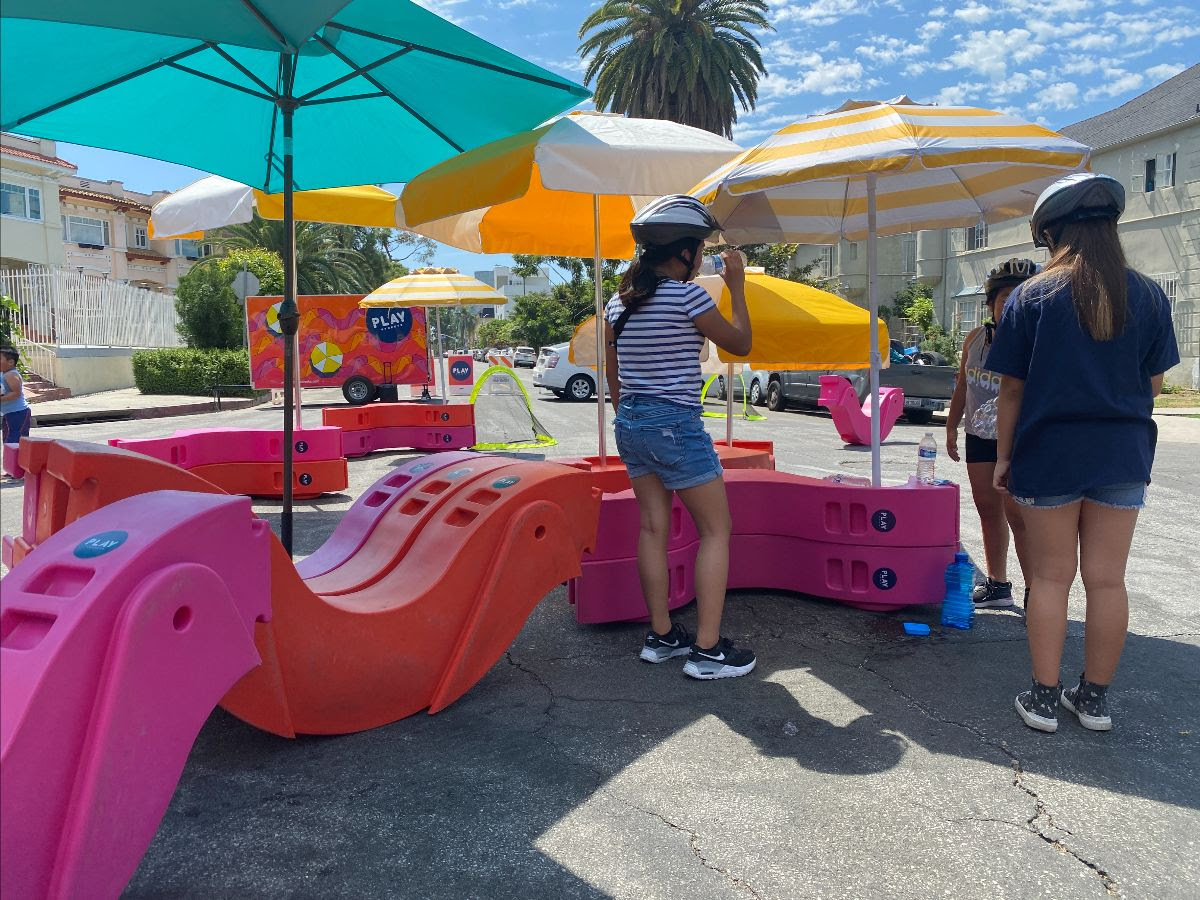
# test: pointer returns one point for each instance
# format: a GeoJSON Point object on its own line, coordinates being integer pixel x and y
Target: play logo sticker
{"type": "Point", "coordinates": [99, 544]}
{"type": "Point", "coordinates": [883, 520]}
{"type": "Point", "coordinates": [506, 482]}
{"type": "Point", "coordinates": [884, 578]}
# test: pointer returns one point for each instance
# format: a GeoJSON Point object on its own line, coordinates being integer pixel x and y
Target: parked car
{"type": "Point", "coordinates": [927, 389]}
{"type": "Point", "coordinates": [525, 357]}
{"type": "Point", "coordinates": [479, 354]}
{"type": "Point", "coordinates": [753, 381]}
{"type": "Point", "coordinates": [555, 373]}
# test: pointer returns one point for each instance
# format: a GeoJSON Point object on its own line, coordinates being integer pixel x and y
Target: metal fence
{"type": "Point", "coordinates": [58, 308]}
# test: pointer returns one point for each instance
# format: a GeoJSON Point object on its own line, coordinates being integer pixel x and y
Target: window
{"type": "Point", "coordinates": [908, 254]}
{"type": "Point", "coordinates": [825, 262]}
{"type": "Point", "coordinates": [1165, 167]}
{"type": "Point", "coordinates": [21, 202]}
{"type": "Point", "coordinates": [1169, 282]}
{"type": "Point", "coordinates": [140, 239]}
{"type": "Point", "coordinates": [852, 251]}
{"type": "Point", "coordinates": [188, 249]}
{"type": "Point", "coordinates": [977, 237]}
{"type": "Point", "coordinates": [82, 230]}
{"type": "Point", "coordinates": [1148, 181]}
{"type": "Point", "coordinates": [968, 314]}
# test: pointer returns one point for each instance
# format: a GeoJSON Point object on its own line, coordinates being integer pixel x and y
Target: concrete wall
{"type": "Point", "coordinates": [86, 370]}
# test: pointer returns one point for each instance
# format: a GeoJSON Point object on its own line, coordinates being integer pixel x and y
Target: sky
{"type": "Point", "coordinates": [1055, 62]}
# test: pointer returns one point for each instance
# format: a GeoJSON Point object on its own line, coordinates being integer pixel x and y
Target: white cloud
{"type": "Point", "coordinates": [990, 52]}
{"type": "Point", "coordinates": [1118, 81]}
{"type": "Point", "coordinates": [1097, 40]}
{"type": "Point", "coordinates": [819, 12]}
{"type": "Point", "coordinates": [837, 76]}
{"type": "Point", "coordinates": [1158, 74]}
{"type": "Point", "coordinates": [887, 50]}
{"type": "Point", "coordinates": [954, 94]}
{"type": "Point", "coordinates": [1060, 95]}
{"type": "Point", "coordinates": [974, 13]}
{"type": "Point", "coordinates": [937, 12]}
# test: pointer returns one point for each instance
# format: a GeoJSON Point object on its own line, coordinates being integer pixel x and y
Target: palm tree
{"type": "Point", "coordinates": [324, 264]}
{"type": "Point", "coordinates": [690, 61]}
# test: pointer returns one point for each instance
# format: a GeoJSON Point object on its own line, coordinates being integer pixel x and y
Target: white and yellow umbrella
{"type": "Point", "coordinates": [436, 287]}
{"type": "Point", "coordinates": [874, 168]}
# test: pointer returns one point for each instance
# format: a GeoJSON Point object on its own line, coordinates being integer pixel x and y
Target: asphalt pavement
{"type": "Point", "coordinates": [854, 762]}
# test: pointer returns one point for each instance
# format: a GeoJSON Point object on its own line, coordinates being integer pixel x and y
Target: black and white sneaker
{"type": "Point", "coordinates": [1038, 706]}
{"type": "Point", "coordinates": [1090, 703]}
{"type": "Point", "coordinates": [661, 647]}
{"type": "Point", "coordinates": [993, 594]}
{"type": "Point", "coordinates": [721, 661]}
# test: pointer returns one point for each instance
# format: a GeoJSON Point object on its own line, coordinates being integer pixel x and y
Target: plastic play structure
{"type": "Point", "coordinates": [394, 426]}
{"type": "Point", "coordinates": [250, 461]}
{"type": "Point", "coordinates": [504, 417]}
{"type": "Point", "coordinates": [852, 419]}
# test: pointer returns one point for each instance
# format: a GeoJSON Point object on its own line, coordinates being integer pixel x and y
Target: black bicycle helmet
{"type": "Point", "coordinates": [673, 218]}
{"type": "Point", "coordinates": [1009, 273]}
{"type": "Point", "coordinates": [1076, 198]}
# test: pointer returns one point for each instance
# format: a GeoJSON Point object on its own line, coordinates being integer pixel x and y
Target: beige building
{"type": "Point", "coordinates": [30, 227]}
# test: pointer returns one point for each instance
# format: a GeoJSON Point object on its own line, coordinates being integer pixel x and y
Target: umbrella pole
{"type": "Point", "coordinates": [598, 282]}
{"type": "Point", "coordinates": [729, 404]}
{"type": "Point", "coordinates": [437, 323]}
{"type": "Point", "coordinates": [873, 308]}
{"type": "Point", "coordinates": [289, 322]}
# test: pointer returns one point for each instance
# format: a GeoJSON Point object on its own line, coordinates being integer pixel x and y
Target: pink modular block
{"type": "Point", "coordinates": [407, 437]}
{"type": "Point", "coordinates": [852, 420]}
{"type": "Point", "coordinates": [11, 462]}
{"type": "Point", "coordinates": [360, 520]}
{"type": "Point", "coordinates": [874, 548]}
{"type": "Point", "coordinates": [118, 636]}
{"type": "Point", "coordinates": [212, 446]}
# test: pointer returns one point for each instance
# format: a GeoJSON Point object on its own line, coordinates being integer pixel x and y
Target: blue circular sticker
{"type": "Point", "coordinates": [301, 446]}
{"type": "Point", "coordinates": [445, 417]}
{"type": "Point", "coordinates": [421, 467]}
{"type": "Point", "coordinates": [305, 479]}
{"type": "Point", "coordinates": [389, 323]}
{"type": "Point", "coordinates": [460, 371]}
{"type": "Point", "coordinates": [884, 578]}
{"type": "Point", "coordinates": [457, 473]}
{"type": "Point", "coordinates": [99, 544]}
{"type": "Point", "coordinates": [883, 520]}
{"type": "Point", "coordinates": [446, 438]}
{"type": "Point", "coordinates": [506, 481]}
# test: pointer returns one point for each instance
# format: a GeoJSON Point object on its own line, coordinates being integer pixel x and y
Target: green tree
{"type": "Point", "coordinates": [210, 314]}
{"type": "Point", "coordinates": [540, 319]}
{"type": "Point", "coordinates": [778, 260]}
{"type": "Point", "coordinates": [914, 304]}
{"type": "Point", "coordinates": [574, 290]}
{"type": "Point", "coordinates": [385, 251]}
{"type": "Point", "coordinates": [690, 61]}
{"type": "Point", "coordinates": [495, 333]}
{"type": "Point", "coordinates": [10, 330]}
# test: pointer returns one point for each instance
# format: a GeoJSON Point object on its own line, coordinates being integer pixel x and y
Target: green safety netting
{"type": "Point", "coordinates": [504, 418]}
{"type": "Point", "coordinates": [747, 413]}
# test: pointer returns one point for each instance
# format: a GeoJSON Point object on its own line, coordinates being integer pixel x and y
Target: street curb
{"type": "Point", "coordinates": [153, 412]}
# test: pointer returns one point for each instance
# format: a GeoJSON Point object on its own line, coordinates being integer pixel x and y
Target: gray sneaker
{"type": "Point", "coordinates": [1090, 703]}
{"type": "Point", "coordinates": [1037, 706]}
{"type": "Point", "coordinates": [993, 594]}
{"type": "Point", "coordinates": [722, 661]}
{"type": "Point", "coordinates": [661, 647]}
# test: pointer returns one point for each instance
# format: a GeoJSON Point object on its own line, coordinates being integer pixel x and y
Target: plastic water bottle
{"type": "Point", "coordinates": [958, 610]}
{"type": "Point", "coordinates": [926, 459]}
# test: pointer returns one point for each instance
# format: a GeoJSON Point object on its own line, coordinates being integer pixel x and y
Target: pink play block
{"type": "Point", "coordinates": [212, 446]}
{"type": "Point", "coordinates": [853, 420]}
{"type": "Point", "coordinates": [369, 509]}
{"type": "Point", "coordinates": [875, 548]}
{"type": "Point", "coordinates": [118, 636]}
{"type": "Point", "coordinates": [407, 437]}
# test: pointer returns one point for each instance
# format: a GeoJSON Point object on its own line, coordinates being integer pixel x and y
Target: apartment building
{"type": "Point", "coordinates": [30, 224]}
{"type": "Point", "coordinates": [511, 286]}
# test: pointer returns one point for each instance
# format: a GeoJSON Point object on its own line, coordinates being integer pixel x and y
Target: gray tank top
{"type": "Point", "coordinates": [982, 385]}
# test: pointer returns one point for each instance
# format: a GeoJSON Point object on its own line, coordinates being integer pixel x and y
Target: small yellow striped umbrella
{"type": "Point", "coordinates": [873, 168]}
{"type": "Point", "coordinates": [436, 287]}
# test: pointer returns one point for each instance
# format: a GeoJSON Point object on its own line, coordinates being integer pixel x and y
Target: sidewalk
{"type": "Point", "coordinates": [128, 403]}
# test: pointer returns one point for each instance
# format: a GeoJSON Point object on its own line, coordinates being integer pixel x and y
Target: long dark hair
{"type": "Point", "coordinates": [640, 280]}
{"type": "Point", "coordinates": [1088, 254]}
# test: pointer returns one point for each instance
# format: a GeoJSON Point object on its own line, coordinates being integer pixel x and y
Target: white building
{"type": "Point", "coordinates": [511, 286]}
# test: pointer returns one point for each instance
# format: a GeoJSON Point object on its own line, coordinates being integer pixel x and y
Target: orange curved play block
{"type": "Point", "coordinates": [393, 415]}
{"type": "Point", "coordinates": [310, 477]}
{"type": "Point", "coordinates": [611, 478]}
{"type": "Point", "coordinates": [426, 604]}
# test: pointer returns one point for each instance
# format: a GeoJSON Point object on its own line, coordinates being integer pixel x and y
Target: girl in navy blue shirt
{"type": "Point", "coordinates": [1091, 339]}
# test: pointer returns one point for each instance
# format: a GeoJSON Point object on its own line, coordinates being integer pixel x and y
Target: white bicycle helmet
{"type": "Point", "coordinates": [673, 218]}
{"type": "Point", "coordinates": [1076, 198]}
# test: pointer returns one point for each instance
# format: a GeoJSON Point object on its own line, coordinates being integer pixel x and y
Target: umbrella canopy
{"type": "Point", "coordinates": [798, 326]}
{"type": "Point", "coordinates": [434, 287]}
{"type": "Point", "coordinates": [568, 188]}
{"type": "Point", "coordinates": [270, 93]}
{"type": "Point", "coordinates": [886, 168]}
{"type": "Point", "coordinates": [215, 202]}
{"type": "Point", "coordinates": [936, 167]}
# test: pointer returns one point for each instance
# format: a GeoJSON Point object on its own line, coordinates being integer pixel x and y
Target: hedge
{"type": "Point", "coordinates": [187, 371]}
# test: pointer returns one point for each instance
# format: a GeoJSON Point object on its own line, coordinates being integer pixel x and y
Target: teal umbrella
{"type": "Point", "coordinates": [280, 94]}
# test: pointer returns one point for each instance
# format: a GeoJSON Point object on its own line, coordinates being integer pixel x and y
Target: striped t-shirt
{"type": "Point", "coordinates": [658, 353]}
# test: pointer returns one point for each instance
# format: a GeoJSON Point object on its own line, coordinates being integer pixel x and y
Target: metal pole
{"type": "Point", "coordinates": [598, 279]}
{"type": "Point", "coordinates": [437, 323]}
{"type": "Point", "coordinates": [729, 404]}
{"type": "Point", "coordinates": [873, 308]}
{"type": "Point", "coordinates": [289, 313]}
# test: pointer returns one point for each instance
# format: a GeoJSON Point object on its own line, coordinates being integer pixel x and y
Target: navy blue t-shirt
{"type": "Point", "coordinates": [1085, 419]}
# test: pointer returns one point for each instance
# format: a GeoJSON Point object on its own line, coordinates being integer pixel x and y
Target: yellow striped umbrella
{"type": "Point", "coordinates": [436, 287]}
{"type": "Point", "coordinates": [874, 168]}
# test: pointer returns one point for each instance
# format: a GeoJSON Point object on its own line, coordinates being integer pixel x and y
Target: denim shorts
{"type": "Point", "coordinates": [1116, 496]}
{"type": "Point", "coordinates": [658, 437]}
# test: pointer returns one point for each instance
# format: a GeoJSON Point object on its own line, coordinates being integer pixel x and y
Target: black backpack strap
{"type": "Point", "coordinates": [619, 325]}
